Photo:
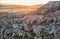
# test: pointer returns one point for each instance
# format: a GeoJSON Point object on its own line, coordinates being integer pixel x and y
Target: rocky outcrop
{"type": "Point", "coordinates": [20, 26]}
{"type": "Point", "coordinates": [49, 7]}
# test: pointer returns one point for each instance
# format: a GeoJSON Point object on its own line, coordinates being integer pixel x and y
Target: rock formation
{"type": "Point", "coordinates": [45, 25]}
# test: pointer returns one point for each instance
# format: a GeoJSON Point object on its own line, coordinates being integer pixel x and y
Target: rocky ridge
{"type": "Point", "coordinates": [44, 25]}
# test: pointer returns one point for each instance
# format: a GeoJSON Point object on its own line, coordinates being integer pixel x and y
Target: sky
{"type": "Point", "coordinates": [25, 2]}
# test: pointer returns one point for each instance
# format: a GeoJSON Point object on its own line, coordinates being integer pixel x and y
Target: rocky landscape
{"type": "Point", "coordinates": [43, 23]}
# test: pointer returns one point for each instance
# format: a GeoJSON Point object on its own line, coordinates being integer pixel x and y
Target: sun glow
{"type": "Point", "coordinates": [24, 2]}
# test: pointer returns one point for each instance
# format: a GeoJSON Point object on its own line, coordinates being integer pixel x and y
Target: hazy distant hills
{"type": "Point", "coordinates": [18, 8]}
{"type": "Point", "coordinates": [50, 7]}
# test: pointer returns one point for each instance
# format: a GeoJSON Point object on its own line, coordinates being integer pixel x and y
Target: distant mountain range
{"type": "Point", "coordinates": [18, 8]}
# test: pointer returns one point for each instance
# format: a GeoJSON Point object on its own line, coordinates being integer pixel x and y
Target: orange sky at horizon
{"type": "Point", "coordinates": [25, 2]}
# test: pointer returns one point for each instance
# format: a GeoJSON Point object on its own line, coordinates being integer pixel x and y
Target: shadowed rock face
{"type": "Point", "coordinates": [49, 7]}
{"type": "Point", "coordinates": [33, 19]}
{"type": "Point", "coordinates": [52, 4]}
{"type": "Point", "coordinates": [20, 26]}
